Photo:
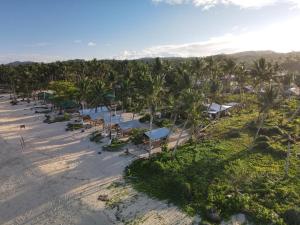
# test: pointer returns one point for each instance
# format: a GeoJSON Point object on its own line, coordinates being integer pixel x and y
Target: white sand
{"type": "Point", "coordinates": [58, 177]}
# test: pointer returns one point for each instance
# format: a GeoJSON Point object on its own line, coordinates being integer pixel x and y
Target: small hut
{"type": "Point", "coordinates": [126, 127]}
{"type": "Point", "coordinates": [156, 136]}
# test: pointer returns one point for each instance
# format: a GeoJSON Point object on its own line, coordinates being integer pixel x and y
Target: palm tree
{"type": "Point", "coordinates": [262, 72]}
{"type": "Point", "coordinates": [154, 99]}
{"type": "Point", "coordinates": [96, 96]}
{"type": "Point", "coordinates": [192, 101]}
{"type": "Point", "coordinates": [267, 100]}
{"type": "Point", "coordinates": [241, 75]}
{"type": "Point", "coordinates": [84, 85]}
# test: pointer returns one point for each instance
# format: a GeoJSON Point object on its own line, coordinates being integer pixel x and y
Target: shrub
{"type": "Point", "coordinates": [262, 138]}
{"type": "Point", "coordinates": [115, 145]}
{"type": "Point", "coordinates": [264, 146]}
{"type": "Point", "coordinates": [233, 133]}
{"type": "Point", "coordinates": [137, 136]}
{"type": "Point", "coordinates": [271, 131]}
{"type": "Point", "coordinates": [251, 126]}
{"type": "Point", "coordinates": [71, 127]}
{"type": "Point", "coordinates": [292, 216]}
{"type": "Point", "coordinates": [96, 137]}
{"type": "Point", "coordinates": [163, 122]}
{"type": "Point", "coordinates": [145, 118]}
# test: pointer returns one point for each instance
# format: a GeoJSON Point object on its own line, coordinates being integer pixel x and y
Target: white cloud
{"type": "Point", "coordinates": [91, 44]}
{"type": "Point", "coordinates": [39, 44]}
{"type": "Point", "coordinates": [77, 41]}
{"type": "Point", "coordinates": [280, 37]}
{"type": "Point", "coordinates": [207, 4]}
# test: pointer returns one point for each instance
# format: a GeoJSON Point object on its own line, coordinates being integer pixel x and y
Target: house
{"type": "Point", "coordinates": [156, 136]}
{"type": "Point", "coordinates": [111, 119]}
{"type": "Point", "coordinates": [215, 109]}
{"type": "Point", "coordinates": [94, 113]}
{"type": "Point", "coordinates": [128, 126]}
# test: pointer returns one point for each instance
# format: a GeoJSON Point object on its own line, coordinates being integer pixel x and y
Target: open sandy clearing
{"type": "Point", "coordinates": [58, 177]}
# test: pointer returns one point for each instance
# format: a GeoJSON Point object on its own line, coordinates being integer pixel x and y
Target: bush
{"type": "Point", "coordinates": [137, 136]}
{"type": "Point", "coordinates": [264, 146]}
{"type": "Point", "coordinates": [251, 126]}
{"type": "Point", "coordinates": [72, 127]}
{"type": "Point", "coordinates": [145, 118]}
{"type": "Point", "coordinates": [292, 216]}
{"type": "Point", "coordinates": [96, 137]}
{"type": "Point", "coordinates": [271, 131]}
{"type": "Point", "coordinates": [163, 122]}
{"type": "Point", "coordinates": [115, 145]}
{"type": "Point", "coordinates": [262, 138]}
{"type": "Point", "coordinates": [233, 133]}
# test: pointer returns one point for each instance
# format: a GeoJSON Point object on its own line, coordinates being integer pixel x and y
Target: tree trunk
{"type": "Point", "coordinates": [179, 137]}
{"type": "Point", "coordinates": [261, 122]}
{"type": "Point", "coordinates": [150, 128]}
{"type": "Point", "coordinates": [110, 122]}
{"type": "Point", "coordinates": [287, 162]}
{"type": "Point", "coordinates": [173, 126]}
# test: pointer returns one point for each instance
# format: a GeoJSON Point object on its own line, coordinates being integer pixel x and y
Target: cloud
{"type": "Point", "coordinates": [280, 37]}
{"type": "Point", "coordinates": [91, 44]}
{"type": "Point", "coordinates": [39, 44]}
{"type": "Point", "coordinates": [77, 41]}
{"type": "Point", "coordinates": [207, 4]}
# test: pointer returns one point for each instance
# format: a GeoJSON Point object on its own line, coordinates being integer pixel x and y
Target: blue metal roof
{"type": "Point", "coordinates": [157, 134]}
{"type": "Point", "coordinates": [131, 124]}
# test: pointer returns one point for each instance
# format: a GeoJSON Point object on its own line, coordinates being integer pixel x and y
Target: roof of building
{"type": "Point", "coordinates": [216, 108]}
{"type": "Point", "coordinates": [115, 119]}
{"type": "Point", "coordinates": [131, 124]}
{"type": "Point", "coordinates": [157, 134]}
{"type": "Point", "coordinates": [93, 113]}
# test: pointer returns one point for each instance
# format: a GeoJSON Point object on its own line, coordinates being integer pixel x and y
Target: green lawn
{"type": "Point", "coordinates": [221, 174]}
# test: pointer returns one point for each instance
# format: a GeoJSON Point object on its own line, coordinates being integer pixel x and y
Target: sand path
{"type": "Point", "coordinates": [58, 176]}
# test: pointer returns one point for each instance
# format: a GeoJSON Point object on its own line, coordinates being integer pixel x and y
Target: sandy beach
{"type": "Point", "coordinates": [58, 176]}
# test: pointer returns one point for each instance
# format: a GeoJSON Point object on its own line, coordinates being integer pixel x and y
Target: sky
{"type": "Point", "coordinates": [51, 30]}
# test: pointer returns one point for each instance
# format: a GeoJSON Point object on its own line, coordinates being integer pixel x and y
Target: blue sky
{"type": "Point", "coordinates": [49, 30]}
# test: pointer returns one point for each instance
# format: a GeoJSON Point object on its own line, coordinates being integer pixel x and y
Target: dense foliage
{"type": "Point", "coordinates": [221, 174]}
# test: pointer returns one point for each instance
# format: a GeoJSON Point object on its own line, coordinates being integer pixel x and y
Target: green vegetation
{"type": "Point", "coordinates": [96, 136]}
{"type": "Point", "coordinates": [222, 175]}
{"type": "Point", "coordinates": [137, 136]}
{"type": "Point", "coordinates": [72, 127]}
{"type": "Point", "coordinates": [115, 145]}
{"type": "Point", "coordinates": [59, 118]}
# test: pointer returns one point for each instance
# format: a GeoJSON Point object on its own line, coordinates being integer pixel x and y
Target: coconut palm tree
{"type": "Point", "coordinates": [84, 85]}
{"type": "Point", "coordinates": [96, 95]}
{"type": "Point", "coordinates": [262, 72]}
{"type": "Point", "coordinates": [241, 76]}
{"type": "Point", "coordinates": [192, 103]}
{"type": "Point", "coordinates": [267, 100]}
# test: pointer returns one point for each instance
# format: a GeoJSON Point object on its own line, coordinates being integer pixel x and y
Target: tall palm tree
{"type": "Point", "coordinates": [241, 76]}
{"type": "Point", "coordinates": [96, 96]}
{"type": "Point", "coordinates": [262, 72]}
{"type": "Point", "coordinates": [192, 103]}
{"type": "Point", "coordinates": [154, 97]}
{"type": "Point", "coordinates": [84, 85]}
{"type": "Point", "coordinates": [267, 100]}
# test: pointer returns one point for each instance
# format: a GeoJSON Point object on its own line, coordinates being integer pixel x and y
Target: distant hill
{"type": "Point", "coordinates": [17, 63]}
{"type": "Point", "coordinates": [289, 61]}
